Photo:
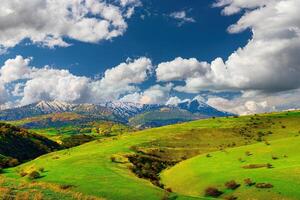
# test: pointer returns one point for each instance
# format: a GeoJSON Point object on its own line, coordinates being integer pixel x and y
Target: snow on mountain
{"type": "Point", "coordinates": [116, 110]}
{"type": "Point", "coordinates": [198, 106]}
{"type": "Point", "coordinates": [128, 109]}
{"type": "Point", "coordinates": [54, 106]}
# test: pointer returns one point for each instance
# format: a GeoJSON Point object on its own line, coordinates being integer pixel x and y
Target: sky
{"type": "Point", "coordinates": [235, 55]}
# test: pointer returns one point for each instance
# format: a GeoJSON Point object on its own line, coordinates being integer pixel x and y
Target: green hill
{"type": "Point", "coordinates": [162, 117]}
{"type": "Point", "coordinates": [276, 163]}
{"type": "Point", "coordinates": [109, 168]}
{"type": "Point", "coordinates": [62, 126]}
{"type": "Point", "coordinates": [18, 143]}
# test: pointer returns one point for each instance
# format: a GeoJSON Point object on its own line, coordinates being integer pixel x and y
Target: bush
{"type": "Point", "coordinates": [232, 185]}
{"type": "Point", "coordinates": [41, 169]}
{"type": "Point", "coordinates": [65, 187]}
{"type": "Point", "coordinates": [264, 185]}
{"type": "Point", "coordinates": [249, 182]}
{"type": "Point", "coordinates": [22, 173]}
{"type": "Point", "coordinates": [269, 165]}
{"type": "Point", "coordinates": [13, 162]}
{"type": "Point", "coordinates": [34, 175]}
{"type": "Point", "coordinates": [274, 157]}
{"type": "Point", "coordinates": [213, 192]}
{"type": "Point", "coordinates": [231, 197]}
{"type": "Point", "coordinates": [255, 166]}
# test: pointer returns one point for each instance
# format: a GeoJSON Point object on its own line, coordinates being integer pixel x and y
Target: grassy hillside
{"type": "Point", "coordinates": [162, 117]}
{"type": "Point", "coordinates": [102, 168]}
{"type": "Point", "coordinates": [193, 176]}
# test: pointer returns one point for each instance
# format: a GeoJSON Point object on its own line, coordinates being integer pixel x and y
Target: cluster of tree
{"type": "Point", "coordinates": [19, 145]}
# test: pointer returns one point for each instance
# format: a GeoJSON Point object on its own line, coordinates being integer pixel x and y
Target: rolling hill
{"type": "Point", "coordinates": [118, 167]}
{"type": "Point", "coordinates": [277, 163]}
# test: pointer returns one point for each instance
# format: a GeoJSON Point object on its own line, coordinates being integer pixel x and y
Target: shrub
{"type": "Point", "coordinates": [65, 187]}
{"type": "Point", "coordinates": [22, 173]}
{"type": "Point", "coordinates": [247, 153]}
{"type": "Point", "coordinates": [249, 182]}
{"type": "Point", "coordinates": [41, 169]}
{"type": "Point", "coordinates": [232, 185]}
{"type": "Point", "coordinates": [254, 166]}
{"type": "Point", "coordinates": [231, 197]}
{"type": "Point", "coordinates": [264, 185]}
{"type": "Point", "coordinates": [283, 126]}
{"type": "Point", "coordinates": [269, 165]}
{"type": "Point", "coordinates": [113, 159]}
{"type": "Point", "coordinates": [274, 157]}
{"type": "Point", "coordinates": [13, 162]}
{"type": "Point", "coordinates": [34, 175]}
{"type": "Point", "coordinates": [213, 192]}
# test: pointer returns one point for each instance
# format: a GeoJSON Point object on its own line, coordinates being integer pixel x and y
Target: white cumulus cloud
{"type": "Point", "coordinates": [29, 84]}
{"type": "Point", "coordinates": [49, 22]}
{"type": "Point", "coordinates": [269, 62]}
{"type": "Point", "coordinates": [156, 94]}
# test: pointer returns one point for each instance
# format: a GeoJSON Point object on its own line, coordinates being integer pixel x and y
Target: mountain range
{"type": "Point", "coordinates": [143, 115]}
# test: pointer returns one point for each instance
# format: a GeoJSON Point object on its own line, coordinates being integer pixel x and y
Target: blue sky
{"type": "Point", "coordinates": [157, 36]}
{"type": "Point", "coordinates": [217, 63]}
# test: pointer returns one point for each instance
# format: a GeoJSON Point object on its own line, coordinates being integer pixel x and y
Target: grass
{"type": "Point", "coordinates": [90, 170]}
{"type": "Point", "coordinates": [192, 176]}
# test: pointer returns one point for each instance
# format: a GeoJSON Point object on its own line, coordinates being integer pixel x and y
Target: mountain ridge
{"type": "Point", "coordinates": [115, 110]}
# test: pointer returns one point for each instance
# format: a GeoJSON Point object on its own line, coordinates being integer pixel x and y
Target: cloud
{"type": "Point", "coordinates": [3, 94]}
{"type": "Point", "coordinates": [256, 102]}
{"type": "Point", "coordinates": [121, 79]}
{"type": "Point", "coordinates": [50, 22]}
{"type": "Point", "coordinates": [29, 84]}
{"type": "Point", "coordinates": [156, 94]}
{"type": "Point", "coordinates": [239, 105]}
{"type": "Point", "coordinates": [173, 101]}
{"type": "Point", "coordinates": [181, 17]}
{"type": "Point", "coordinates": [180, 68]}
{"type": "Point", "coordinates": [53, 84]}
{"type": "Point", "coordinates": [268, 63]}
{"type": "Point", "coordinates": [14, 69]}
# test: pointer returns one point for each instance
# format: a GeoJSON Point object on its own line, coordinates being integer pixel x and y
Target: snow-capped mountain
{"type": "Point", "coordinates": [197, 106]}
{"type": "Point", "coordinates": [54, 106]}
{"type": "Point", "coordinates": [48, 107]}
{"type": "Point", "coordinates": [119, 111]}
{"type": "Point", "coordinates": [129, 109]}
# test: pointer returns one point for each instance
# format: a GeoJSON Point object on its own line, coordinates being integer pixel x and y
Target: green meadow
{"type": "Point", "coordinates": [102, 168]}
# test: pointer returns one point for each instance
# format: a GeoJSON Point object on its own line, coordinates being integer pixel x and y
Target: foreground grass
{"type": "Point", "coordinates": [12, 189]}
{"type": "Point", "coordinates": [89, 169]}
{"type": "Point", "coordinates": [193, 176]}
